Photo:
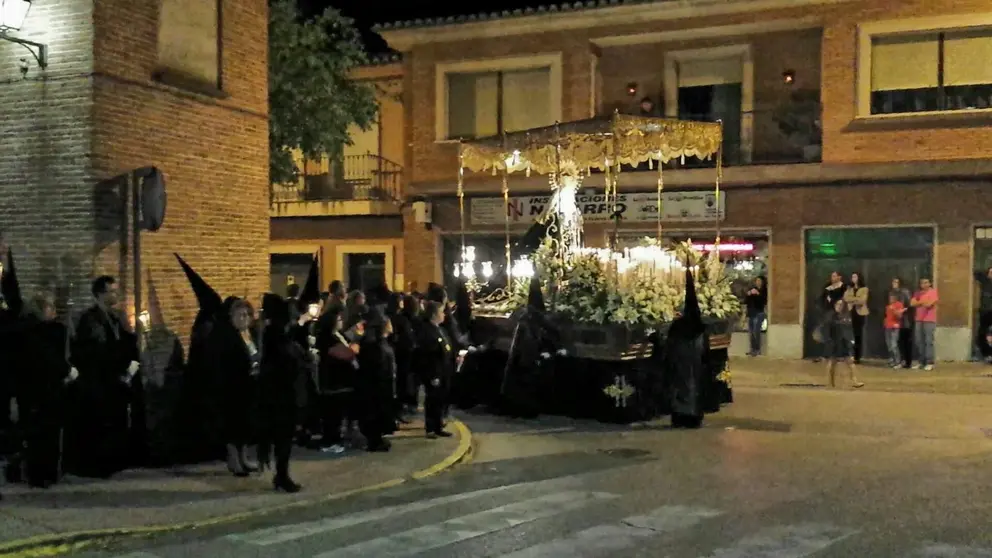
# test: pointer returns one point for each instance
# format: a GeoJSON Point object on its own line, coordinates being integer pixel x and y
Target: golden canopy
{"type": "Point", "coordinates": [595, 143]}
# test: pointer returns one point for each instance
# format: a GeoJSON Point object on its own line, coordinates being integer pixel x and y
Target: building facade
{"type": "Point", "coordinates": [854, 134]}
{"type": "Point", "coordinates": [346, 208]}
{"type": "Point", "coordinates": [180, 85]}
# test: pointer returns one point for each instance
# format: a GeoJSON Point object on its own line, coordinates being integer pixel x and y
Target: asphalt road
{"type": "Point", "coordinates": [780, 474]}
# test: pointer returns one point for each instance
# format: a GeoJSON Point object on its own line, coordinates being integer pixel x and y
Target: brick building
{"type": "Point", "coordinates": [177, 84]}
{"type": "Point", "coordinates": [887, 180]}
{"type": "Point", "coordinates": [346, 208]}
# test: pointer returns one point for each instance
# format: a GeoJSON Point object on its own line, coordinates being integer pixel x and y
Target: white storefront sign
{"type": "Point", "coordinates": [634, 208]}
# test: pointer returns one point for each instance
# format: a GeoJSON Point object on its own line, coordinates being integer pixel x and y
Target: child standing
{"type": "Point", "coordinates": [893, 322]}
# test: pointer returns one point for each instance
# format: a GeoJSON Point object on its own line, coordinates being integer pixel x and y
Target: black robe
{"type": "Point", "coordinates": [404, 342]}
{"type": "Point", "coordinates": [41, 399]}
{"type": "Point", "coordinates": [107, 431]}
{"type": "Point", "coordinates": [234, 366]}
{"type": "Point", "coordinates": [527, 372]}
{"type": "Point", "coordinates": [281, 383]}
{"type": "Point", "coordinates": [374, 388]}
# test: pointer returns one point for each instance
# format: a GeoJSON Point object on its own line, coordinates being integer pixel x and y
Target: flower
{"type": "Point", "coordinates": [648, 289]}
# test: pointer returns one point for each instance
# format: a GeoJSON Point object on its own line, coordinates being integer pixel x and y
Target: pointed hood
{"type": "Point", "coordinates": [463, 305]}
{"type": "Point", "coordinates": [11, 287]}
{"type": "Point", "coordinates": [206, 296]}
{"type": "Point", "coordinates": [275, 309]}
{"type": "Point", "coordinates": [436, 293]}
{"type": "Point", "coordinates": [311, 289]}
{"type": "Point", "coordinates": [535, 298]}
{"type": "Point", "coordinates": [692, 316]}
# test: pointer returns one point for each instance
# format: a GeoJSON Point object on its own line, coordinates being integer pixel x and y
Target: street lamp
{"type": "Point", "coordinates": [12, 16]}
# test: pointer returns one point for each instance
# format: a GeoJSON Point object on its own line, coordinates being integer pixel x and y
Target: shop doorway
{"type": "Point", "coordinates": [879, 255]}
{"type": "Point", "coordinates": [288, 269]}
{"type": "Point", "coordinates": [982, 261]}
{"type": "Point", "coordinates": [366, 272]}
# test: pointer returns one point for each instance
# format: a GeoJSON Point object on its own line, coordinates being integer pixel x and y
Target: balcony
{"type": "Point", "coordinates": [354, 185]}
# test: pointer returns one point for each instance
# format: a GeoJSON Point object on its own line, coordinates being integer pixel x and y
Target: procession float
{"type": "Point", "coordinates": [611, 306]}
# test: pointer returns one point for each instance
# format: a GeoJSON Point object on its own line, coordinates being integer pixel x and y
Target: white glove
{"type": "Point", "coordinates": [545, 355]}
{"type": "Point", "coordinates": [132, 368]}
{"type": "Point", "coordinates": [73, 375]}
{"type": "Point", "coordinates": [473, 349]}
{"type": "Point", "coordinates": [562, 352]}
{"type": "Point", "coordinates": [436, 382]}
{"type": "Point", "coordinates": [311, 340]}
{"type": "Point", "coordinates": [315, 353]}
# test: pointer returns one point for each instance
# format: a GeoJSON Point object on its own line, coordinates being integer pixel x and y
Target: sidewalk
{"type": "Point", "coordinates": [950, 378]}
{"type": "Point", "coordinates": [164, 499]}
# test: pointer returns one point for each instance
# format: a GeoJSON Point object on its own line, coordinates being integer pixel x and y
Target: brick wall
{"type": "Point", "coordinates": [212, 150]}
{"type": "Point", "coordinates": [911, 141]}
{"type": "Point", "coordinates": [46, 202]}
{"type": "Point", "coordinates": [827, 56]}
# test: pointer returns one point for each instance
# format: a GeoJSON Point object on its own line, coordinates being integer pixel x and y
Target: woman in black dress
{"type": "Point", "coordinates": [283, 363]}
{"type": "Point", "coordinates": [375, 384]}
{"type": "Point", "coordinates": [41, 392]}
{"type": "Point", "coordinates": [336, 374]}
{"type": "Point", "coordinates": [238, 362]}
{"type": "Point", "coordinates": [403, 342]}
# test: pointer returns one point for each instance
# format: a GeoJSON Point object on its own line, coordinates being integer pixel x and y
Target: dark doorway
{"type": "Point", "coordinates": [878, 255]}
{"type": "Point", "coordinates": [287, 269]}
{"type": "Point", "coordinates": [709, 103]}
{"type": "Point", "coordinates": [366, 271]}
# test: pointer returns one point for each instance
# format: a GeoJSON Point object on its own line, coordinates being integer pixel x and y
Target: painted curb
{"type": "Point", "coordinates": [63, 543]}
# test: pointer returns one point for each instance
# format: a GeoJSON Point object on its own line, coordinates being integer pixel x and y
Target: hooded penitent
{"type": "Point", "coordinates": [208, 299]}
{"type": "Point", "coordinates": [463, 305]}
{"type": "Point", "coordinates": [436, 293]}
{"type": "Point", "coordinates": [692, 316]}
{"type": "Point", "coordinates": [535, 298]}
{"type": "Point", "coordinates": [11, 287]}
{"type": "Point", "coordinates": [275, 309]}
{"type": "Point", "coordinates": [311, 289]}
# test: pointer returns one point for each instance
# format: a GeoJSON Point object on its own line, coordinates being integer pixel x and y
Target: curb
{"type": "Point", "coordinates": [63, 543]}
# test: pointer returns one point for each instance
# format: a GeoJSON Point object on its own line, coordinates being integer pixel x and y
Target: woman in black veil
{"type": "Point", "coordinates": [528, 366]}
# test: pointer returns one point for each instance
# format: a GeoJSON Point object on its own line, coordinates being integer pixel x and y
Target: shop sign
{"type": "Point", "coordinates": [633, 208]}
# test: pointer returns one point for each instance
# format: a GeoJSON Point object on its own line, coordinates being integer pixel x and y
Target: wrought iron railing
{"type": "Point", "coordinates": [367, 177]}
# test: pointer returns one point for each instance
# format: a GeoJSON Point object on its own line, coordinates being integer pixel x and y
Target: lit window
{"type": "Point", "coordinates": [931, 71]}
{"type": "Point", "coordinates": [488, 103]}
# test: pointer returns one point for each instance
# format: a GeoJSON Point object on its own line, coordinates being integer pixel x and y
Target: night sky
{"type": "Point", "coordinates": [369, 12]}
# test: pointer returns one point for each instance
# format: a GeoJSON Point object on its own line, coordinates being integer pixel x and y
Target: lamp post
{"type": "Point", "coordinates": [12, 16]}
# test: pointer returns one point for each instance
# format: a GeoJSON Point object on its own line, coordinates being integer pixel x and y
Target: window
{"type": "Point", "coordinates": [488, 103]}
{"type": "Point", "coordinates": [189, 46]}
{"type": "Point", "coordinates": [931, 71]}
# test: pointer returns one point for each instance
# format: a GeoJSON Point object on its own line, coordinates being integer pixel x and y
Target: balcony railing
{"type": "Point", "coordinates": [366, 177]}
{"type": "Point", "coordinates": [779, 136]}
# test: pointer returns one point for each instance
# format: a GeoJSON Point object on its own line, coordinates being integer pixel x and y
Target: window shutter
{"type": "Point", "coordinates": [968, 57]}
{"type": "Point", "coordinates": [472, 102]}
{"type": "Point", "coordinates": [527, 99]}
{"type": "Point", "coordinates": [903, 62]}
{"type": "Point", "coordinates": [188, 38]}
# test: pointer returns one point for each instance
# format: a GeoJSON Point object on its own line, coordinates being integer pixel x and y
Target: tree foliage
{"type": "Point", "coordinates": [312, 100]}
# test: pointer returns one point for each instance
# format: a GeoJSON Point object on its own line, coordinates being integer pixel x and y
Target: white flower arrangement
{"type": "Point", "coordinates": [591, 286]}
